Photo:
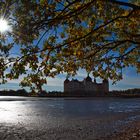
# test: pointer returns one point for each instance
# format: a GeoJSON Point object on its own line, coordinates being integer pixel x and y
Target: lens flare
{"type": "Point", "coordinates": [4, 25]}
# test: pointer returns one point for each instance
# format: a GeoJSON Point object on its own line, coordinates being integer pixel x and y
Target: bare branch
{"type": "Point", "coordinates": [136, 7]}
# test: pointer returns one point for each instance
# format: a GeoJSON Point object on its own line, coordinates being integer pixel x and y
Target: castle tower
{"type": "Point", "coordinates": [106, 85]}
{"type": "Point", "coordinates": [66, 85]}
{"type": "Point", "coordinates": [88, 84]}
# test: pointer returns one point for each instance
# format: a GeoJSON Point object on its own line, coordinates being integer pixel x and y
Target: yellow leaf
{"type": "Point", "coordinates": [125, 13]}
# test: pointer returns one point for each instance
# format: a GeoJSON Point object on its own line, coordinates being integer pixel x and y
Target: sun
{"type": "Point", "coordinates": [4, 25]}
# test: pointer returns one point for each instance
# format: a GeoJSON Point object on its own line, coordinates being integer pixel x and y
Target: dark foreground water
{"type": "Point", "coordinates": [65, 118]}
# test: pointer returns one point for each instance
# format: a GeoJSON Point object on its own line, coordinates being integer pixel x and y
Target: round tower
{"type": "Point", "coordinates": [106, 85]}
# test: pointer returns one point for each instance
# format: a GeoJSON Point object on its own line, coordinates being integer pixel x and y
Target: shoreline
{"type": "Point", "coordinates": [76, 96]}
{"type": "Point", "coordinates": [8, 132]}
{"type": "Point", "coordinates": [130, 93]}
{"type": "Point", "coordinates": [130, 132]}
{"type": "Point", "coordinates": [37, 98]}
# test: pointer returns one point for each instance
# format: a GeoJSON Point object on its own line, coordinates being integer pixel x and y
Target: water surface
{"type": "Point", "coordinates": [100, 115]}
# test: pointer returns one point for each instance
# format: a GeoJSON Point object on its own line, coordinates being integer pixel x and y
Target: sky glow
{"type": "Point", "coordinates": [4, 25]}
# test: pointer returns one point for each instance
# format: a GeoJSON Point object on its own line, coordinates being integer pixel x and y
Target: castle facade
{"type": "Point", "coordinates": [87, 86]}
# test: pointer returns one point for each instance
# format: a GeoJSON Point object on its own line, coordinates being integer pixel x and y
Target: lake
{"type": "Point", "coordinates": [73, 117]}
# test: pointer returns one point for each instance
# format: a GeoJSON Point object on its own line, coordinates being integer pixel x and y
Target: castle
{"type": "Point", "coordinates": [87, 86]}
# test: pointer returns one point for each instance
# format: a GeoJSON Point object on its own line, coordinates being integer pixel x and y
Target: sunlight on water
{"type": "Point", "coordinates": [50, 112]}
{"type": "Point", "coordinates": [9, 112]}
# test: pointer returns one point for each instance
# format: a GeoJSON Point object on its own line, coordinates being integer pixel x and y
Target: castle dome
{"type": "Point", "coordinates": [88, 78]}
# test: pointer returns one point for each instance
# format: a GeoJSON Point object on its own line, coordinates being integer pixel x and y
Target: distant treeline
{"type": "Point", "coordinates": [126, 93]}
{"type": "Point", "coordinates": [115, 93]}
{"type": "Point", "coordinates": [20, 92]}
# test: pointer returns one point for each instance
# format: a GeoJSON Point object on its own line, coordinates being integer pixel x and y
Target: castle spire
{"type": "Point", "coordinates": [67, 79]}
{"type": "Point", "coordinates": [94, 80]}
{"type": "Point", "coordinates": [88, 78]}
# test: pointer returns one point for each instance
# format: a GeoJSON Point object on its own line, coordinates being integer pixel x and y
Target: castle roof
{"type": "Point", "coordinates": [75, 80]}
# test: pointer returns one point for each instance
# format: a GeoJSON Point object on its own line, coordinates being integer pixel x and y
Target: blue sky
{"type": "Point", "coordinates": [130, 80]}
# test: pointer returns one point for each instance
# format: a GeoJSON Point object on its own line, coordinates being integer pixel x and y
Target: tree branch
{"type": "Point", "coordinates": [136, 7]}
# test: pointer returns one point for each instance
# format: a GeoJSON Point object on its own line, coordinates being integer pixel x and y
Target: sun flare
{"type": "Point", "coordinates": [4, 25]}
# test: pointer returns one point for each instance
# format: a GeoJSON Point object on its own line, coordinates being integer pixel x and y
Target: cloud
{"type": "Point", "coordinates": [16, 81]}
{"type": "Point", "coordinates": [133, 81]}
{"type": "Point", "coordinates": [128, 81]}
{"type": "Point", "coordinates": [50, 81]}
{"type": "Point", "coordinates": [55, 81]}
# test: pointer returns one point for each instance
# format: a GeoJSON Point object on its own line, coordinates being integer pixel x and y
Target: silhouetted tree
{"type": "Point", "coordinates": [101, 36]}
